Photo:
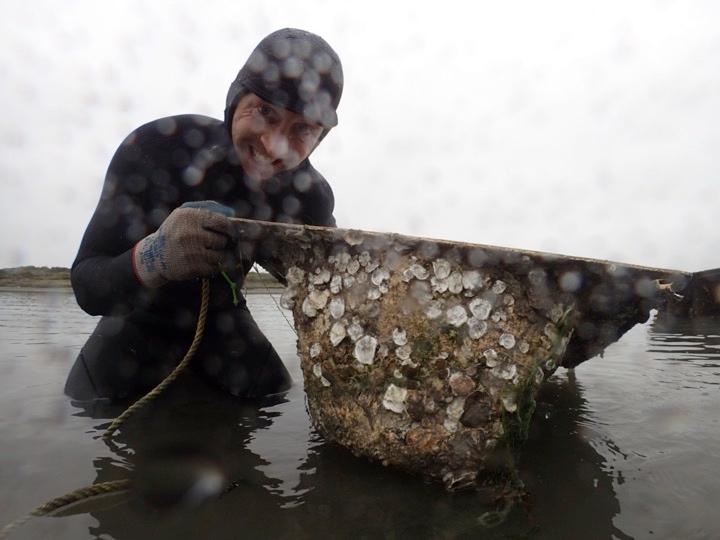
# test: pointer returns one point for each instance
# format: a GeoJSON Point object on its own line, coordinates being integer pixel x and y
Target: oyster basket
{"type": "Point", "coordinates": [426, 355]}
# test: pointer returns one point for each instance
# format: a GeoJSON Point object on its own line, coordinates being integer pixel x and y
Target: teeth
{"type": "Point", "coordinates": [260, 160]}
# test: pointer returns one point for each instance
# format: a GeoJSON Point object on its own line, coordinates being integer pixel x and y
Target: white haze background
{"type": "Point", "coordinates": [584, 128]}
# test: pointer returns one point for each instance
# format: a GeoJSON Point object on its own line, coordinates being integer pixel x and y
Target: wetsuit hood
{"type": "Point", "coordinates": [294, 69]}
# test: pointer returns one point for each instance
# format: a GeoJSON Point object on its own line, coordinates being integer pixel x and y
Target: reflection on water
{"type": "Point", "coordinates": [626, 446]}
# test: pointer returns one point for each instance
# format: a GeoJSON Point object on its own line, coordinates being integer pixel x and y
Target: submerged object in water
{"type": "Point", "coordinates": [426, 354]}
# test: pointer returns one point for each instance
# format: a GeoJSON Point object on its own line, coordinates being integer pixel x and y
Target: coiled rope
{"type": "Point", "coordinates": [66, 500]}
{"type": "Point", "coordinates": [174, 374]}
{"type": "Point", "coordinates": [121, 485]}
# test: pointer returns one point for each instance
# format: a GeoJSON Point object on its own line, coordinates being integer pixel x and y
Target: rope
{"type": "Point", "coordinates": [119, 485]}
{"type": "Point", "coordinates": [155, 392]}
{"type": "Point", "coordinates": [78, 495]}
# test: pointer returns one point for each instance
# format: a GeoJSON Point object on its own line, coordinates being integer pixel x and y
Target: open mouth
{"type": "Point", "coordinates": [263, 166]}
{"type": "Point", "coordinates": [262, 161]}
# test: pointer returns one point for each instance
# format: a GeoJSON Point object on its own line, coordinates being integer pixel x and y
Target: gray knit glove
{"type": "Point", "coordinates": [190, 243]}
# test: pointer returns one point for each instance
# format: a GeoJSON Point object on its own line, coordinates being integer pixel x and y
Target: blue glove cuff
{"type": "Point", "coordinates": [212, 206]}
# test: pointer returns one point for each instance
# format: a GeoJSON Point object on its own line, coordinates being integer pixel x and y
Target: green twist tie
{"type": "Point", "coordinates": [233, 287]}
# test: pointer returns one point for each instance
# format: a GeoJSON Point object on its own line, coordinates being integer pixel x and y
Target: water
{"type": "Point", "coordinates": [626, 446]}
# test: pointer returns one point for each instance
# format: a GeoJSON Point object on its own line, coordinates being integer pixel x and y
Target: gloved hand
{"type": "Point", "coordinates": [190, 243]}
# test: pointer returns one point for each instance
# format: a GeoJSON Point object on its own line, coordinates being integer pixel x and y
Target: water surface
{"type": "Point", "coordinates": [625, 446]}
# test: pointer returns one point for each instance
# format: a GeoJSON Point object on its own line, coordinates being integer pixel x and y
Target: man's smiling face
{"type": "Point", "coordinates": [269, 139]}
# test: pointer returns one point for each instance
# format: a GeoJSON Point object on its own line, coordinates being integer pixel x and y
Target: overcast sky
{"type": "Point", "coordinates": [583, 128]}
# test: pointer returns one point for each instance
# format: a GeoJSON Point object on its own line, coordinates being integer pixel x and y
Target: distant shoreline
{"type": "Point", "coordinates": [43, 277]}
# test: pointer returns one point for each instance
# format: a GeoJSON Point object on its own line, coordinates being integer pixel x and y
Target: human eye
{"type": "Point", "coordinates": [306, 131]}
{"type": "Point", "coordinates": [266, 112]}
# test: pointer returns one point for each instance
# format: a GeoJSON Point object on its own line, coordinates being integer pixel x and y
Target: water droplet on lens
{"type": "Point", "coordinates": [570, 281]}
{"type": "Point", "coordinates": [420, 291]}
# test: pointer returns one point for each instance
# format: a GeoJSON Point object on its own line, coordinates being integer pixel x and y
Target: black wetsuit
{"type": "Point", "coordinates": [145, 332]}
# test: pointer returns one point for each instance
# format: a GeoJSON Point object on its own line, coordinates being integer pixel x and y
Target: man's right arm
{"type": "Point", "coordinates": [138, 239]}
{"type": "Point", "coordinates": [102, 274]}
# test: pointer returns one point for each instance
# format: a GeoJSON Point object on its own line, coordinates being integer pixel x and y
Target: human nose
{"type": "Point", "coordinates": [275, 143]}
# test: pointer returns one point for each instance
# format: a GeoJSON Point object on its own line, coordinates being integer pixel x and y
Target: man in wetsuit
{"type": "Point", "coordinates": [162, 224]}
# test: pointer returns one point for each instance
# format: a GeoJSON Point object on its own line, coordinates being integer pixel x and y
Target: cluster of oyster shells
{"type": "Point", "coordinates": [324, 292]}
{"type": "Point", "coordinates": [343, 297]}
